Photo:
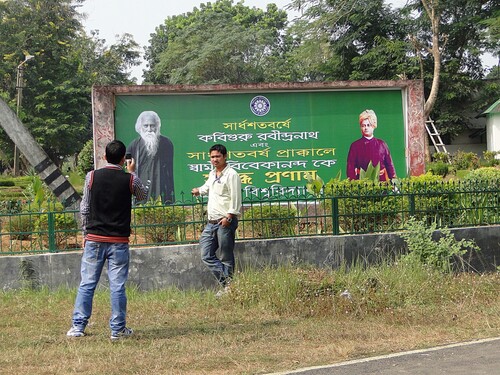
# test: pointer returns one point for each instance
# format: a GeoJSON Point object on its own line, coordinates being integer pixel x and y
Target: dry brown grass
{"type": "Point", "coordinates": [250, 331]}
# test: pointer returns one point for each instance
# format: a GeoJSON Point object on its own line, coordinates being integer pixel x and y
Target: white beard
{"type": "Point", "coordinates": [151, 142]}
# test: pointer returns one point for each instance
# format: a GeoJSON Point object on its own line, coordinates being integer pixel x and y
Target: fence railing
{"type": "Point", "coordinates": [357, 209]}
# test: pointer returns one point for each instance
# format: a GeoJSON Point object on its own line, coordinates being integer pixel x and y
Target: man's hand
{"type": "Point", "coordinates": [195, 191]}
{"type": "Point", "coordinates": [130, 163]}
{"type": "Point", "coordinates": [225, 222]}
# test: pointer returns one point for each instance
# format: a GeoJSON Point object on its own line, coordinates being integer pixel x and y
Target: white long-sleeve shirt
{"type": "Point", "coordinates": [224, 193]}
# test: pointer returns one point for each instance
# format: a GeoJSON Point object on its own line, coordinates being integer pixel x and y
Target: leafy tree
{"type": "Point", "coordinates": [53, 104]}
{"type": "Point", "coordinates": [352, 39]}
{"type": "Point", "coordinates": [493, 37]}
{"type": "Point", "coordinates": [439, 41]}
{"type": "Point", "coordinates": [56, 104]}
{"type": "Point", "coordinates": [449, 37]}
{"type": "Point", "coordinates": [107, 65]}
{"type": "Point", "coordinates": [220, 42]}
{"type": "Point", "coordinates": [85, 161]}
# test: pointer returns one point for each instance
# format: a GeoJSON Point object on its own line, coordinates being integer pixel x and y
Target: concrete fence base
{"type": "Point", "coordinates": [180, 265]}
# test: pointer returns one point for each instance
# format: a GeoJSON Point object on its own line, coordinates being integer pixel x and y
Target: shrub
{"type": "Point", "coordinates": [36, 191]}
{"type": "Point", "coordinates": [443, 157]}
{"type": "Point", "coordinates": [365, 206]}
{"type": "Point", "coordinates": [20, 226]}
{"type": "Point", "coordinates": [11, 206]}
{"type": "Point", "coordinates": [490, 158]}
{"type": "Point", "coordinates": [427, 179]}
{"type": "Point", "coordinates": [13, 188]}
{"type": "Point", "coordinates": [438, 168]}
{"type": "Point", "coordinates": [371, 174]}
{"type": "Point", "coordinates": [465, 160]}
{"type": "Point", "coordinates": [65, 227]}
{"type": "Point", "coordinates": [432, 198]}
{"type": "Point", "coordinates": [483, 206]}
{"type": "Point", "coordinates": [484, 175]}
{"type": "Point", "coordinates": [424, 250]}
{"type": "Point", "coordinates": [273, 220]}
{"type": "Point", "coordinates": [159, 223]}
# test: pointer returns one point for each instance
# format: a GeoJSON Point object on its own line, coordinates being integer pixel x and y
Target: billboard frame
{"type": "Point", "coordinates": [103, 108]}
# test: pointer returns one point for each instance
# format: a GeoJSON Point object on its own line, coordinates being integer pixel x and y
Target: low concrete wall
{"type": "Point", "coordinates": [180, 265]}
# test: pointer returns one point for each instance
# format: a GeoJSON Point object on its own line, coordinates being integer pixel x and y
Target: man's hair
{"type": "Point", "coordinates": [370, 115]}
{"type": "Point", "coordinates": [220, 148]}
{"type": "Point", "coordinates": [115, 151]}
{"type": "Point", "coordinates": [142, 116]}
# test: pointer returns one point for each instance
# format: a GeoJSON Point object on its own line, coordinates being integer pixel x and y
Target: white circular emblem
{"type": "Point", "coordinates": [260, 105]}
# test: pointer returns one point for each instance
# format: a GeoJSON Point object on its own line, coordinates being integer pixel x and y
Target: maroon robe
{"type": "Point", "coordinates": [365, 150]}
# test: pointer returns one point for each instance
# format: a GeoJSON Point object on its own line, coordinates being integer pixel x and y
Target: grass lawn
{"type": "Point", "coordinates": [272, 320]}
{"type": "Point", "coordinates": [19, 188]}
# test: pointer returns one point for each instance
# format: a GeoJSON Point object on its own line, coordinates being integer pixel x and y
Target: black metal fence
{"type": "Point", "coordinates": [343, 208]}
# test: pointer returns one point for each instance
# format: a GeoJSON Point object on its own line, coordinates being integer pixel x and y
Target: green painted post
{"type": "Point", "coordinates": [51, 231]}
{"type": "Point", "coordinates": [412, 204]}
{"type": "Point", "coordinates": [335, 215]}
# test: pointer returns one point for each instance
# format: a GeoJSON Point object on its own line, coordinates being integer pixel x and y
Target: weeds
{"type": "Point", "coordinates": [274, 319]}
{"type": "Point", "coordinates": [441, 254]}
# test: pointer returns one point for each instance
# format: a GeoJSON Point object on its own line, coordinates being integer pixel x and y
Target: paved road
{"type": "Point", "coordinates": [469, 358]}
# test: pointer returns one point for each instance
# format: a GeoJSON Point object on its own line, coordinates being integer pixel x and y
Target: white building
{"type": "Point", "coordinates": [492, 115]}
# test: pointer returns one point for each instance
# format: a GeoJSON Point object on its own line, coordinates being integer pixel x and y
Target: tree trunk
{"type": "Point", "coordinates": [432, 10]}
{"type": "Point", "coordinates": [434, 50]}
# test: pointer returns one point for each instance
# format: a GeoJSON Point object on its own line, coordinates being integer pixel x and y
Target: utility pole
{"type": "Point", "coordinates": [38, 158]}
{"type": "Point", "coordinates": [19, 87]}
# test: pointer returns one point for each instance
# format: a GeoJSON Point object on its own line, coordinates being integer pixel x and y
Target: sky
{"type": "Point", "coordinates": [116, 17]}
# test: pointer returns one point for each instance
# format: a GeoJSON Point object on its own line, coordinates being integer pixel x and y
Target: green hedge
{"type": "Point", "coordinates": [159, 224]}
{"type": "Point", "coordinates": [271, 220]}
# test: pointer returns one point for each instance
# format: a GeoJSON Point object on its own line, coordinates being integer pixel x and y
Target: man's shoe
{"type": "Point", "coordinates": [75, 332]}
{"type": "Point", "coordinates": [125, 332]}
{"type": "Point", "coordinates": [222, 292]}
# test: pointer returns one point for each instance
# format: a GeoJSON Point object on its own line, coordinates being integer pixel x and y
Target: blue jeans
{"type": "Point", "coordinates": [215, 237]}
{"type": "Point", "coordinates": [94, 256]}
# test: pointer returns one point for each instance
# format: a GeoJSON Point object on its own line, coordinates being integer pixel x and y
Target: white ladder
{"type": "Point", "coordinates": [435, 137]}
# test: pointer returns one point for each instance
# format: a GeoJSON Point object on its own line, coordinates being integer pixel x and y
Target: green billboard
{"type": "Point", "coordinates": [274, 139]}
